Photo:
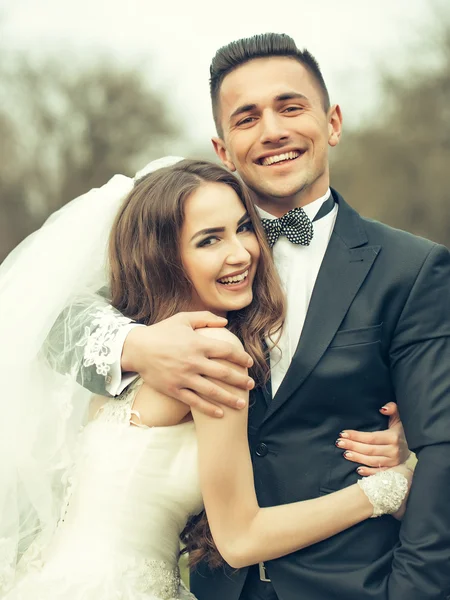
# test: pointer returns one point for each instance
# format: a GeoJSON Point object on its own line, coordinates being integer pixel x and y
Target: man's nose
{"type": "Point", "coordinates": [273, 128]}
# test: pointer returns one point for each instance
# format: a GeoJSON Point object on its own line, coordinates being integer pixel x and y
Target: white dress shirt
{"type": "Point", "coordinates": [298, 267]}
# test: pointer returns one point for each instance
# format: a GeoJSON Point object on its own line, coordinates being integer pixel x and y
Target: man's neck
{"type": "Point", "coordinates": [280, 206]}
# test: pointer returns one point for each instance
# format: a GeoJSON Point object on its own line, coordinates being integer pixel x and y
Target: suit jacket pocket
{"type": "Point", "coordinates": [352, 337]}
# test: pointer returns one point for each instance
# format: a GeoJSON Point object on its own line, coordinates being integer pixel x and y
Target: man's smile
{"type": "Point", "coordinates": [281, 157]}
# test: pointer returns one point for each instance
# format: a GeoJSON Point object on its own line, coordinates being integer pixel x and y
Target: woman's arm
{"type": "Point", "coordinates": [244, 533]}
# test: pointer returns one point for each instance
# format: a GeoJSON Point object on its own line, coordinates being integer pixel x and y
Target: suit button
{"type": "Point", "coordinates": [261, 450]}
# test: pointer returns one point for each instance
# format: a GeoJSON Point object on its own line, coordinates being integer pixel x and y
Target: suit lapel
{"type": "Point", "coordinates": [260, 399]}
{"type": "Point", "coordinates": [346, 263]}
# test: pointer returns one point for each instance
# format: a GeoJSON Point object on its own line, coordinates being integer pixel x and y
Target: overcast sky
{"type": "Point", "coordinates": [173, 41]}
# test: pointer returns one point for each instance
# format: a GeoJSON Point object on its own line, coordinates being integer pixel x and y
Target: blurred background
{"type": "Point", "coordinates": [95, 87]}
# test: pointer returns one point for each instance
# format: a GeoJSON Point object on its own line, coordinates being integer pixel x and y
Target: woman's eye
{"type": "Point", "coordinates": [246, 227]}
{"type": "Point", "coordinates": [207, 242]}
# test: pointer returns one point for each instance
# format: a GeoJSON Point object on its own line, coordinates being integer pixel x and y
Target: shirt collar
{"type": "Point", "coordinates": [310, 209]}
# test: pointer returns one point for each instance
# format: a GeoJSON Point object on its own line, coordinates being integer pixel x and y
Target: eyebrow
{"type": "Point", "coordinates": [280, 98]}
{"type": "Point", "coordinates": [212, 230]}
{"type": "Point", "coordinates": [242, 109]}
{"type": "Point", "coordinates": [291, 96]}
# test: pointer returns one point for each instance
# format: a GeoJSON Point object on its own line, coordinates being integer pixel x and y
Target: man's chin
{"type": "Point", "coordinates": [284, 194]}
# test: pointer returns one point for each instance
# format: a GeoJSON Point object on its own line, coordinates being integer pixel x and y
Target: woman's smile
{"type": "Point", "coordinates": [219, 249]}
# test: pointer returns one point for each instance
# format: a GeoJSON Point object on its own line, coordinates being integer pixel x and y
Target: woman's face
{"type": "Point", "coordinates": [219, 249]}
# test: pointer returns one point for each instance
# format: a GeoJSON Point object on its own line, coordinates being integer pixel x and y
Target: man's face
{"type": "Point", "coordinates": [276, 132]}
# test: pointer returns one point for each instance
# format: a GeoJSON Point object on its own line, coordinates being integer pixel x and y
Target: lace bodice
{"type": "Point", "coordinates": [131, 492]}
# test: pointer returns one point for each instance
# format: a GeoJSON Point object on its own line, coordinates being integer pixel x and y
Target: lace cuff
{"type": "Point", "coordinates": [101, 341]}
{"type": "Point", "coordinates": [386, 491]}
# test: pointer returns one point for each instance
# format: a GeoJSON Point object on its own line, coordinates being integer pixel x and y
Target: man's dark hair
{"type": "Point", "coordinates": [264, 45]}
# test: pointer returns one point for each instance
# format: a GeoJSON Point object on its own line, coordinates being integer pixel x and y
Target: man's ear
{"type": "Point", "coordinates": [334, 125]}
{"type": "Point", "coordinates": [222, 153]}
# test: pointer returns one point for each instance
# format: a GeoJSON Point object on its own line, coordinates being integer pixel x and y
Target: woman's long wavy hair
{"type": "Point", "coordinates": [148, 282]}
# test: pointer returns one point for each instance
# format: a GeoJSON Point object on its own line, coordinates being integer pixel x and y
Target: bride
{"type": "Point", "coordinates": [96, 492]}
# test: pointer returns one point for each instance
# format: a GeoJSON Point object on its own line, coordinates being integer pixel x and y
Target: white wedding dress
{"type": "Point", "coordinates": [130, 494]}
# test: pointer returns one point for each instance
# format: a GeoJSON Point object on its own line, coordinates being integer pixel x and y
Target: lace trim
{"type": "Point", "coordinates": [148, 576]}
{"type": "Point", "coordinates": [99, 339]}
{"type": "Point", "coordinates": [119, 410]}
{"type": "Point", "coordinates": [154, 576]}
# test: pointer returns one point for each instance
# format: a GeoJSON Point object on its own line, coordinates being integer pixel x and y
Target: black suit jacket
{"type": "Point", "coordinates": [377, 329]}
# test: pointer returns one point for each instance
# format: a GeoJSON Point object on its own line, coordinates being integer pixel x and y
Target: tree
{"type": "Point", "coordinates": [396, 168]}
{"type": "Point", "coordinates": [64, 131]}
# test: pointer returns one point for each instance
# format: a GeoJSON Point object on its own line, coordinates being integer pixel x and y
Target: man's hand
{"type": "Point", "coordinates": [377, 450]}
{"type": "Point", "coordinates": [178, 362]}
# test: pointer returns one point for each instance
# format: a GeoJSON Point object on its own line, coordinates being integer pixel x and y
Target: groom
{"type": "Point", "coordinates": [368, 321]}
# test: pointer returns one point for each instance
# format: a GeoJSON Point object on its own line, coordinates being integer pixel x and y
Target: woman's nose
{"type": "Point", "coordinates": [238, 253]}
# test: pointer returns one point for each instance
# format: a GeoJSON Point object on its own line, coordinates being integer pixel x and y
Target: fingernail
{"type": "Point", "coordinates": [348, 454]}
{"type": "Point", "coordinates": [218, 413]}
{"type": "Point", "coordinates": [383, 408]}
{"type": "Point", "coordinates": [338, 443]}
{"type": "Point", "coordinates": [250, 384]}
{"type": "Point", "coordinates": [360, 470]}
{"type": "Point", "coordinates": [241, 403]}
{"type": "Point", "coordinates": [250, 363]}
{"type": "Point", "coordinates": [344, 434]}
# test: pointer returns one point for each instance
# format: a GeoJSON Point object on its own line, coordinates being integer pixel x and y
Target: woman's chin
{"type": "Point", "coordinates": [235, 304]}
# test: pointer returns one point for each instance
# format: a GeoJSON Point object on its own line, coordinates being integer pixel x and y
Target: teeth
{"type": "Point", "coordinates": [270, 160]}
{"type": "Point", "coordinates": [235, 278]}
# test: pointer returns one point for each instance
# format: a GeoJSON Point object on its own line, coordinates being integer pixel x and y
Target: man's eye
{"type": "Point", "coordinates": [291, 109]}
{"type": "Point", "coordinates": [246, 121]}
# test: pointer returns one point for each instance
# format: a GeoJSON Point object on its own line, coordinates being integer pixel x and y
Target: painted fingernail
{"type": "Point", "coordinates": [348, 454]}
{"type": "Point", "coordinates": [344, 434]}
{"type": "Point", "coordinates": [383, 408]}
{"type": "Point", "coordinates": [338, 443]}
{"type": "Point", "coordinates": [240, 403]}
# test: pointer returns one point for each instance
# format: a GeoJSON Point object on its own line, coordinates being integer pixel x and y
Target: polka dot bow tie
{"type": "Point", "coordinates": [295, 225]}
